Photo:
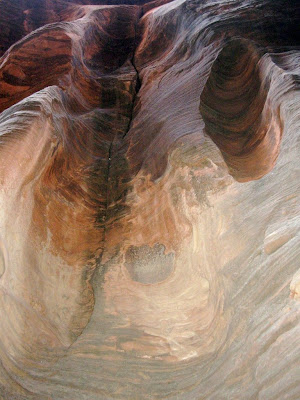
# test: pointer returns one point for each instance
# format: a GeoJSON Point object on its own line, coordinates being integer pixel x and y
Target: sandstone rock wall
{"type": "Point", "coordinates": [149, 219]}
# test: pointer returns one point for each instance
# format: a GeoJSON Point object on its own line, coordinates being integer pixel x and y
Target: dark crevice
{"type": "Point", "coordinates": [136, 85]}
{"type": "Point", "coordinates": [136, 89]}
{"type": "Point", "coordinates": [138, 82]}
{"type": "Point", "coordinates": [98, 261]}
{"type": "Point", "coordinates": [107, 192]}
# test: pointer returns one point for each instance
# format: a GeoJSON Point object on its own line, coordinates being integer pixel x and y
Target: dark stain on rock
{"type": "Point", "coordinates": [149, 265]}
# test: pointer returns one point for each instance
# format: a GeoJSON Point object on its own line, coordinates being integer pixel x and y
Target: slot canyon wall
{"type": "Point", "coordinates": [149, 200]}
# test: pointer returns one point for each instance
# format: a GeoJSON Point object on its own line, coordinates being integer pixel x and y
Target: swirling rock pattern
{"type": "Point", "coordinates": [149, 219]}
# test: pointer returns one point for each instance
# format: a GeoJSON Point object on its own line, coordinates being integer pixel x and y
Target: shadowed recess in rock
{"type": "Point", "coordinates": [149, 200]}
{"type": "Point", "coordinates": [236, 106]}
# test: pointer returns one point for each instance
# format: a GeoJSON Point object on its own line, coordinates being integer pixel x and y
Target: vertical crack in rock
{"type": "Point", "coordinates": [136, 89]}
{"type": "Point", "coordinates": [107, 202]}
{"type": "Point", "coordinates": [194, 270]}
{"type": "Point", "coordinates": [110, 160]}
{"type": "Point", "coordinates": [138, 83]}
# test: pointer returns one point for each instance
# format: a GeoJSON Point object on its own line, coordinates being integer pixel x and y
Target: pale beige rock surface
{"type": "Point", "coordinates": [149, 218]}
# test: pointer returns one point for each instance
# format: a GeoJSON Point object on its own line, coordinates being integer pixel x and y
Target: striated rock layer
{"type": "Point", "coordinates": [149, 219]}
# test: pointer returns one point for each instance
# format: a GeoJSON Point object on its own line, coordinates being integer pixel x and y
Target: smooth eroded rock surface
{"type": "Point", "coordinates": [149, 200]}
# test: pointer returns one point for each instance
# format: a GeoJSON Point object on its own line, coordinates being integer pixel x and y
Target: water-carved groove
{"type": "Point", "coordinates": [236, 112]}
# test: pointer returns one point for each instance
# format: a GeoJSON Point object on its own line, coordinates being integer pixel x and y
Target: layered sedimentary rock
{"type": "Point", "coordinates": [149, 194]}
